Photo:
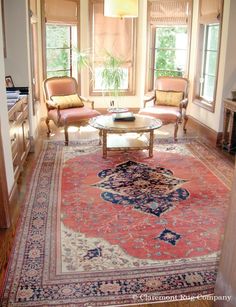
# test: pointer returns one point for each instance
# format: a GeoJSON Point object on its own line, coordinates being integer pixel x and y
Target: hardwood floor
{"type": "Point", "coordinates": [7, 235]}
{"type": "Point", "coordinates": [199, 303]}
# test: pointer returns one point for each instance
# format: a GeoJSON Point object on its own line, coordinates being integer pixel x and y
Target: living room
{"type": "Point", "coordinates": [25, 58]}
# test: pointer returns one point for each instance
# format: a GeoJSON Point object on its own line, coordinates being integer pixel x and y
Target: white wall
{"type": "Point", "coordinates": [4, 118]}
{"type": "Point", "coordinates": [227, 67]}
{"type": "Point", "coordinates": [16, 62]}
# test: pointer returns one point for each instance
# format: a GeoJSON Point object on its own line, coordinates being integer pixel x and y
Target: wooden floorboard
{"type": "Point", "coordinates": [198, 303]}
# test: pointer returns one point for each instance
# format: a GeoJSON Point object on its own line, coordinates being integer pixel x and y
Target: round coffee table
{"type": "Point", "coordinates": [142, 124]}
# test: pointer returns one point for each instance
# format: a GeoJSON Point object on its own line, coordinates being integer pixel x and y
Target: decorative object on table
{"type": "Point", "coordinates": [9, 81]}
{"type": "Point", "coordinates": [113, 109]}
{"type": "Point", "coordinates": [123, 116]}
{"type": "Point", "coordinates": [107, 241]}
{"type": "Point", "coordinates": [117, 110]}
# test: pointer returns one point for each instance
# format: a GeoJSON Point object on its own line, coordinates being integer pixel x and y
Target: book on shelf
{"type": "Point", "coordinates": [126, 116]}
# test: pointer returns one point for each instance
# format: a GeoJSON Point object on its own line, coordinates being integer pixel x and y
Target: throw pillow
{"type": "Point", "coordinates": [68, 101]}
{"type": "Point", "coordinates": [168, 98]}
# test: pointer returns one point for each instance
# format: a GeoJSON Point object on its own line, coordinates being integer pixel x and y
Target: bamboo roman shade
{"type": "Point", "coordinates": [210, 11]}
{"type": "Point", "coordinates": [113, 35]}
{"type": "Point", "coordinates": [61, 11]}
{"type": "Point", "coordinates": [169, 12]}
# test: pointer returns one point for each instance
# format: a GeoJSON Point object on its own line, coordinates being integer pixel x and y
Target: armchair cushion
{"type": "Point", "coordinates": [166, 114]}
{"type": "Point", "coordinates": [168, 98]}
{"type": "Point", "coordinates": [68, 101]}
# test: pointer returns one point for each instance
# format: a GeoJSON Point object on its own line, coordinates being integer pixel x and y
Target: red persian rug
{"type": "Point", "coordinates": [122, 230]}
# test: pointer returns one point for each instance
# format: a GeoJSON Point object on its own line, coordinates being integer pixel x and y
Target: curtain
{"type": "Point", "coordinates": [210, 11]}
{"type": "Point", "coordinates": [169, 12]}
{"type": "Point", "coordinates": [61, 11]}
{"type": "Point", "coordinates": [112, 35]}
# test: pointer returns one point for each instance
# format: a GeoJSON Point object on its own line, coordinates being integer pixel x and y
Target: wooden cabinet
{"type": "Point", "coordinates": [229, 132]}
{"type": "Point", "coordinates": [19, 134]}
{"type": "Point", "coordinates": [4, 201]}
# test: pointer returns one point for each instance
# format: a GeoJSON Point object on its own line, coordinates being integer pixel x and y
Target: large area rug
{"type": "Point", "coordinates": [123, 230]}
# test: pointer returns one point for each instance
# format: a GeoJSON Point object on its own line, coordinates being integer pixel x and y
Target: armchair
{"type": "Point", "coordinates": [170, 100]}
{"type": "Point", "coordinates": [64, 106]}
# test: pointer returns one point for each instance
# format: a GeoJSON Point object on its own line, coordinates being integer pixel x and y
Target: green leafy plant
{"type": "Point", "coordinates": [84, 60]}
{"type": "Point", "coordinates": [110, 70]}
{"type": "Point", "coordinates": [112, 74]}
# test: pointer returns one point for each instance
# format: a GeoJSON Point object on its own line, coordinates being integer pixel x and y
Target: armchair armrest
{"type": "Point", "coordinates": [50, 104]}
{"type": "Point", "coordinates": [184, 103]}
{"type": "Point", "coordinates": [87, 101]}
{"type": "Point", "coordinates": [148, 97]}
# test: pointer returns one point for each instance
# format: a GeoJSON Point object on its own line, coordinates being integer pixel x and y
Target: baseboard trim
{"type": "Point", "coordinates": [212, 136]}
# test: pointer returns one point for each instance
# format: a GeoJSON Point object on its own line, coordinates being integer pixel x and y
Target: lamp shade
{"type": "Point", "coordinates": [121, 8]}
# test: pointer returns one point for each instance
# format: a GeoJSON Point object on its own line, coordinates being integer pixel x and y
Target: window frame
{"type": "Point", "coordinates": [130, 65]}
{"type": "Point", "coordinates": [61, 22]}
{"type": "Point", "coordinates": [201, 63]}
{"type": "Point", "coordinates": [197, 99]}
{"type": "Point", "coordinates": [151, 58]}
{"type": "Point", "coordinates": [61, 48]}
{"type": "Point", "coordinates": [171, 49]}
{"type": "Point", "coordinates": [206, 50]}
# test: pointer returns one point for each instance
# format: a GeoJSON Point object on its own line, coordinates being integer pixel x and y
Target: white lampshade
{"type": "Point", "coordinates": [121, 8]}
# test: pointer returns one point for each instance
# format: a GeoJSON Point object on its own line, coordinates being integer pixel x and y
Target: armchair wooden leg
{"type": "Point", "coordinates": [48, 126]}
{"type": "Point", "coordinates": [100, 136]}
{"type": "Point", "coordinates": [176, 130]}
{"type": "Point", "coordinates": [185, 123]}
{"type": "Point", "coordinates": [66, 136]}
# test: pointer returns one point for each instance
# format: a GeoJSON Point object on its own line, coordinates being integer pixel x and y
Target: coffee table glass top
{"type": "Point", "coordinates": [140, 123]}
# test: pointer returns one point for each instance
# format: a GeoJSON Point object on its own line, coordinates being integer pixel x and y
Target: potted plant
{"type": "Point", "coordinates": [112, 76]}
{"type": "Point", "coordinates": [111, 73]}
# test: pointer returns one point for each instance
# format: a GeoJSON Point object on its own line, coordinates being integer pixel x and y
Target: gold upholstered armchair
{"type": "Point", "coordinates": [64, 106]}
{"type": "Point", "coordinates": [169, 101]}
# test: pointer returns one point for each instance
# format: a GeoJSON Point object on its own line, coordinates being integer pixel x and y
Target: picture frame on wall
{"type": "Point", "coordinates": [9, 81]}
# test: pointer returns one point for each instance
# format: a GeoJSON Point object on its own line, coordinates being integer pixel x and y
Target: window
{"type": "Point", "coordinates": [170, 51]}
{"type": "Point", "coordinates": [61, 42]}
{"type": "Point", "coordinates": [209, 60]}
{"type": "Point", "coordinates": [111, 38]}
{"type": "Point", "coordinates": [208, 53]}
{"type": "Point", "coordinates": [169, 29]}
{"type": "Point", "coordinates": [61, 28]}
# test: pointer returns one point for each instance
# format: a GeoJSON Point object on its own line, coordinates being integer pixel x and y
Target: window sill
{"type": "Point", "coordinates": [204, 104]}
